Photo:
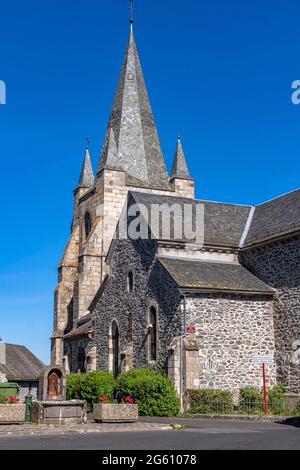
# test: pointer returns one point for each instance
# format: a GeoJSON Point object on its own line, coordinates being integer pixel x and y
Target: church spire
{"type": "Point", "coordinates": [136, 137]}
{"type": "Point", "coordinates": [86, 179]}
{"type": "Point", "coordinates": [180, 168]}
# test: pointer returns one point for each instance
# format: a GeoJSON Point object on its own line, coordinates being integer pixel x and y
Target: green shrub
{"type": "Point", "coordinates": [153, 392]}
{"type": "Point", "coordinates": [277, 400]}
{"type": "Point", "coordinates": [210, 401]}
{"type": "Point", "coordinates": [296, 410]}
{"type": "Point", "coordinates": [73, 385]}
{"type": "Point", "coordinates": [90, 386]}
{"type": "Point", "coordinates": [251, 400]}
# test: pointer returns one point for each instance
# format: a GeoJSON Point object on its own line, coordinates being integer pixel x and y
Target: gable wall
{"type": "Point", "coordinates": [278, 265]}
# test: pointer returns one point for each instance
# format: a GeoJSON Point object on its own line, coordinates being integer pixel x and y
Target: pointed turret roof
{"type": "Point", "coordinates": [180, 168]}
{"type": "Point", "coordinates": [86, 179]}
{"type": "Point", "coordinates": [139, 152]}
{"type": "Point", "coordinates": [111, 154]}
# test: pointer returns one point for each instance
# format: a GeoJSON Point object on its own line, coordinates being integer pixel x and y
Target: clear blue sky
{"type": "Point", "coordinates": [219, 70]}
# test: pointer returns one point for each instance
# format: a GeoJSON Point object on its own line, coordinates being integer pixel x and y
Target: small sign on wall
{"type": "Point", "coordinates": [262, 360]}
{"type": "Point", "coordinates": [191, 330]}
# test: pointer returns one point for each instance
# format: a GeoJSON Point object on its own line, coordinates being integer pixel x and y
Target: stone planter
{"type": "Point", "coordinates": [12, 414]}
{"type": "Point", "coordinates": [59, 413]}
{"type": "Point", "coordinates": [114, 413]}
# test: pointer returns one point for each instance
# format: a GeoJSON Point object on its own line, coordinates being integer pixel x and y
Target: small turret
{"type": "Point", "coordinates": [180, 176]}
{"type": "Point", "coordinates": [86, 179]}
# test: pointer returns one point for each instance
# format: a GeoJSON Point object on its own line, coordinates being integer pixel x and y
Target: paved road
{"type": "Point", "coordinates": [200, 434]}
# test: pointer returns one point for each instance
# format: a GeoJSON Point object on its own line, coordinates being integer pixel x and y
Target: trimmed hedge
{"type": "Point", "coordinates": [210, 401]}
{"type": "Point", "coordinates": [153, 392]}
{"type": "Point", "coordinates": [90, 386]}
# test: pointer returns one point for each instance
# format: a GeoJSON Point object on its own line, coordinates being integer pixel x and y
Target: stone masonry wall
{"type": "Point", "coordinates": [230, 330]}
{"type": "Point", "coordinates": [107, 198]}
{"type": "Point", "coordinates": [278, 264]}
{"type": "Point", "coordinates": [25, 387]}
{"type": "Point", "coordinates": [152, 286]}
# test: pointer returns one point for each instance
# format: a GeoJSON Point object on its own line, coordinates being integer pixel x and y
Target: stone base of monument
{"type": "Point", "coordinates": [12, 414]}
{"type": "Point", "coordinates": [114, 413]}
{"type": "Point", "coordinates": [59, 413]}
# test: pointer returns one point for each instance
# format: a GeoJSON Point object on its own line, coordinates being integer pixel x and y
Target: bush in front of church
{"type": "Point", "coordinates": [153, 392]}
{"type": "Point", "coordinates": [90, 386]}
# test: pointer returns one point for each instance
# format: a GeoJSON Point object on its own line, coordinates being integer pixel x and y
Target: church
{"type": "Point", "coordinates": [198, 309]}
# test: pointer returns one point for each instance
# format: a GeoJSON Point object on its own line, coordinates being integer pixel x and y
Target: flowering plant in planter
{"type": "Point", "coordinates": [117, 401]}
{"type": "Point", "coordinates": [115, 409]}
{"type": "Point", "coordinates": [129, 400]}
{"type": "Point", "coordinates": [11, 410]}
{"type": "Point", "coordinates": [10, 400]}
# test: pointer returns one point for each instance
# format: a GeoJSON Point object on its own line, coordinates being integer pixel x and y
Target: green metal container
{"type": "Point", "coordinates": [7, 389]}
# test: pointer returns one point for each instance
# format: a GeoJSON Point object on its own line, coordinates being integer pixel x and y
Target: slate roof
{"type": "Point", "coordinates": [180, 168]}
{"type": "Point", "coordinates": [86, 178]}
{"type": "Point", "coordinates": [213, 276]}
{"type": "Point", "coordinates": [139, 151]}
{"type": "Point", "coordinates": [274, 218]}
{"type": "Point", "coordinates": [224, 224]}
{"type": "Point", "coordinates": [21, 364]}
{"type": "Point", "coordinates": [80, 330]}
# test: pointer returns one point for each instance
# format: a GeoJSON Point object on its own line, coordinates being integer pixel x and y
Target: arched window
{"type": "Point", "coordinates": [81, 358]}
{"type": "Point", "coordinates": [115, 336]}
{"type": "Point", "coordinates": [87, 224]}
{"type": "Point", "coordinates": [153, 334]}
{"type": "Point", "coordinates": [130, 281]}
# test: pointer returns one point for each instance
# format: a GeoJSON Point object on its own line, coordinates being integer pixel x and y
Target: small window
{"type": "Point", "coordinates": [87, 224]}
{"type": "Point", "coordinates": [130, 281]}
{"type": "Point", "coordinates": [81, 358]}
{"type": "Point", "coordinates": [115, 336]}
{"type": "Point", "coordinates": [153, 335]}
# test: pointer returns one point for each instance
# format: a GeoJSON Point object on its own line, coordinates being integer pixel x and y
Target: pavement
{"type": "Point", "coordinates": [156, 434]}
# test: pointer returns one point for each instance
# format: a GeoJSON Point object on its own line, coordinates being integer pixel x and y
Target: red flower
{"type": "Point", "coordinates": [5, 399]}
{"type": "Point", "coordinates": [103, 398]}
{"type": "Point", "coordinates": [129, 400]}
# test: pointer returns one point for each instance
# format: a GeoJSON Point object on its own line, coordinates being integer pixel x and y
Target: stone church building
{"type": "Point", "coordinates": [197, 310]}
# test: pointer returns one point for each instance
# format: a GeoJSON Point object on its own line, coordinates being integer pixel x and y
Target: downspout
{"type": "Point", "coordinates": [181, 368]}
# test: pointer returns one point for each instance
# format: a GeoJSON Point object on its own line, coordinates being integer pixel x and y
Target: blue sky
{"type": "Point", "coordinates": [219, 70]}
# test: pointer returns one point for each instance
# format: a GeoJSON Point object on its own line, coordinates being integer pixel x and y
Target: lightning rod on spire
{"type": "Point", "coordinates": [131, 14]}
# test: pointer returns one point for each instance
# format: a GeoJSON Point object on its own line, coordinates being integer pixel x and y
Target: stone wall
{"type": "Point", "coordinates": [3, 378]}
{"type": "Point", "coordinates": [230, 330]}
{"type": "Point", "coordinates": [25, 387]}
{"type": "Point", "coordinates": [152, 286]}
{"type": "Point", "coordinates": [83, 265]}
{"type": "Point", "coordinates": [278, 264]}
{"type": "Point", "coordinates": [72, 353]}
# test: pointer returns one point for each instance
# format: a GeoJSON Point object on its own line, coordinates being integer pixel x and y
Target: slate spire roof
{"type": "Point", "coordinates": [111, 155]}
{"type": "Point", "coordinates": [180, 168]}
{"type": "Point", "coordinates": [139, 152]}
{"type": "Point", "coordinates": [86, 179]}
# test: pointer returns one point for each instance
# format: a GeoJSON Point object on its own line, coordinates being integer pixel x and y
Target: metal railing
{"type": "Point", "coordinates": [207, 406]}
